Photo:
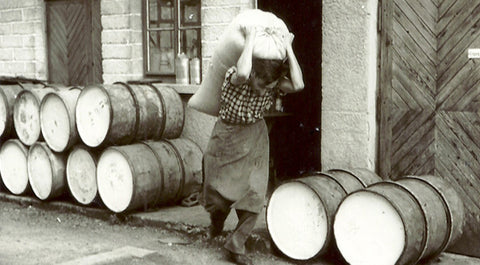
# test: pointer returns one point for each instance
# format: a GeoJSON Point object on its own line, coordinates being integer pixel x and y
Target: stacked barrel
{"type": "Point", "coordinates": [364, 218]}
{"type": "Point", "coordinates": [13, 153]}
{"type": "Point", "coordinates": [119, 143]}
{"type": "Point", "coordinates": [300, 213]}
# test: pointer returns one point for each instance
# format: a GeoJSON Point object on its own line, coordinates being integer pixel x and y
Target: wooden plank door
{"type": "Point", "coordinates": [407, 89]}
{"type": "Point", "coordinates": [430, 99]}
{"type": "Point", "coordinates": [74, 42]}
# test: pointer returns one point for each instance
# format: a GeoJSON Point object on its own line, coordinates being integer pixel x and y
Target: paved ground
{"type": "Point", "coordinates": [186, 223]}
{"type": "Point", "coordinates": [38, 236]}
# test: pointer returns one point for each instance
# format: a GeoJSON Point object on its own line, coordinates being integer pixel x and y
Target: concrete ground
{"type": "Point", "coordinates": [192, 220]}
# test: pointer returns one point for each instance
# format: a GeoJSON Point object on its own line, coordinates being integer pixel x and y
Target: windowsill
{"type": "Point", "coordinates": [186, 89]}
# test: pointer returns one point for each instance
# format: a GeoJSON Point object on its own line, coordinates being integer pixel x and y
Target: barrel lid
{"type": "Point", "coordinates": [81, 175]}
{"type": "Point", "coordinates": [115, 179]}
{"type": "Point", "coordinates": [297, 220]}
{"type": "Point", "coordinates": [93, 115]}
{"type": "Point", "coordinates": [40, 174]}
{"type": "Point", "coordinates": [55, 122]}
{"type": "Point", "coordinates": [13, 168]}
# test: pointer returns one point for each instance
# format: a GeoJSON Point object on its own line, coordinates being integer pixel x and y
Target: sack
{"type": "Point", "coordinates": [270, 32]}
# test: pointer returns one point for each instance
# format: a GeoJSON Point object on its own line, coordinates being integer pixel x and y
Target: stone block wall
{"type": "Point", "coordinates": [216, 15]}
{"type": "Point", "coordinates": [23, 39]}
{"type": "Point", "coordinates": [122, 44]}
{"type": "Point", "coordinates": [349, 81]}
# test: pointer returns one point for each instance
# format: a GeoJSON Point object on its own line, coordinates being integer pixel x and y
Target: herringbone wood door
{"type": "Point", "coordinates": [430, 98]}
{"type": "Point", "coordinates": [74, 43]}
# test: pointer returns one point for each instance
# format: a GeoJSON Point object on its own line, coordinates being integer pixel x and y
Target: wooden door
{"type": "Point", "coordinates": [430, 99]}
{"type": "Point", "coordinates": [74, 42]}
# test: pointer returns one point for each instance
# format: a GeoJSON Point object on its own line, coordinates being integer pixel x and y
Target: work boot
{"type": "Point", "coordinates": [217, 220]}
{"type": "Point", "coordinates": [240, 259]}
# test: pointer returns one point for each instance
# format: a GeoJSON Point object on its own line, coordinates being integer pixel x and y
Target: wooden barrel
{"type": "Point", "coordinates": [300, 215]}
{"type": "Point", "coordinates": [190, 157]}
{"type": "Point", "coordinates": [382, 224]}
{"type": "Point", "coordinates": [26, 114]}
{"type": "Point", "coordinates": [160, 111]}
{"type": "Point", "coordinates": [13, 166]}
{"type": "Point", "coordinates": [357, 178]}
{"type": "Point", "coordinates": [81, 171]}
{"type": "Point", "coordinates": [57, 119]}
{"type": "Point", "coordinates": [105, 115]}
{"type": "Point", "coordinates": [346, 180]}
{"type": "Point", "coordinates": [366, 176]}
{"type": "Point", "coordinates": [128, 177]}
{"type": "Point", "coordinates": [174, 112]}
{"type": "Point", "coordinates": [148, 174]}
{"type": "Point", "coordinates": [453, 205]}
{"type": "Point", "coordinates": [46, 171]}
{"type": "Point", "coordinates": [150, 112]}
{"type": "Point", "coordinates": [8, 94]}
{"type": "Point", "coordinates": [435, 212]}
{"type": "Point", "coordinates": [121, 113]}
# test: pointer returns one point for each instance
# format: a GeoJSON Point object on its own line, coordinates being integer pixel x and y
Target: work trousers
{"type": "Point", "coordinates": [219, 208]}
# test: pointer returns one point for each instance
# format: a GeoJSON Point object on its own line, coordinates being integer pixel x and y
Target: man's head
{"type": "Point", "coordinates": [266, 72]}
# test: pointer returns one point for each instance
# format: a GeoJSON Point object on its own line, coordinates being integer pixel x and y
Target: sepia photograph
{"type": "Point", "coordinates": [251, 132]}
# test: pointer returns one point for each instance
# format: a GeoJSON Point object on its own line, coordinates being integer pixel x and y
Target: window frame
{"type": "Point", "coordinates": [177, 29]}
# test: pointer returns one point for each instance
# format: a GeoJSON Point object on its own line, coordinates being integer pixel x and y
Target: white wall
{"type": "Point", "coordinates": [122, 43]}
{"type": "Point", "coordinates": [349, 84]}
{"type": "Point", "coordinates": [23, 39]}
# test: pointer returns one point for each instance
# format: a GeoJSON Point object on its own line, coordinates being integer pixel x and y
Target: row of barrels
{"type": "Point", "coordinates": [99, 115]}
{"type": "Point", "coordinates": [116, 144]}
{"type": "Point", "coordinates": [123, 178]}
{"type": "Point", "coordinates": [364, 218]}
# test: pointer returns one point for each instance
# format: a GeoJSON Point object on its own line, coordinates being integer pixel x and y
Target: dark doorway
{"type": "Point", "coordinates": [296, 139]}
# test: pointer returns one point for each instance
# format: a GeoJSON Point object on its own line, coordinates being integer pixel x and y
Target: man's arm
{"type": "Point", "coordinates": [244, 63]}
{"type": "Point", "coordinates": [295, 83]}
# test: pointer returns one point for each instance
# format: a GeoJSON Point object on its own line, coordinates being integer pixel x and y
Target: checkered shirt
{"type": "Point", "coordinates": [240, 104]}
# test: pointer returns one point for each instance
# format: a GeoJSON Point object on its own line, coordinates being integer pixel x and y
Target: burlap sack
{"type": "Point", "coordinates": [270, 32]}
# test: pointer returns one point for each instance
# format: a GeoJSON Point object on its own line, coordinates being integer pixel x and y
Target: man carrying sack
{"type": "Point", "coordinates": [236, 162]}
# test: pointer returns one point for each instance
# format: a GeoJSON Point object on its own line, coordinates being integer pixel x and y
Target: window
{"type": "Point", "coordinates": [171, 27]}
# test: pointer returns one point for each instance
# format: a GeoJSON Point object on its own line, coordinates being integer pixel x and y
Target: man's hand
{"type": "Point", "coordinates": [248, 31]}
{"type": "Point", "coordinates": [288, 40]}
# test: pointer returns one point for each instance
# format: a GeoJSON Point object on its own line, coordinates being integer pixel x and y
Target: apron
{"type": "Point", "coordinates": [236, 164]}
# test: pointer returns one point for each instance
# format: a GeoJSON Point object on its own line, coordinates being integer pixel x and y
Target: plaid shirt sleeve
{"type": "Point", "coordinates": [239, 103]}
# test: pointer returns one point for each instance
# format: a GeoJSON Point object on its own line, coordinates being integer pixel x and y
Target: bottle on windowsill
{"type": "Point", "coordinates": [181, 69]}
{"type": "Point", "coordinates": [195, 71]}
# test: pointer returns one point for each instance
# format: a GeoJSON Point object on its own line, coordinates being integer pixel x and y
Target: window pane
{"type": "Point", "coordinates": [160, 13]}
{"type": "Point", "coordinates": [161, 52]}
{"type": "Point", "coordinates": [190, 12]}
{"type": "Point", "coordinates": [190, 42]}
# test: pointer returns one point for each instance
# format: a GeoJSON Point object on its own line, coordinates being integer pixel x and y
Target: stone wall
{"type": "Point", "coordinates": [349, 81]}
{"type": "Point", "coordinates": [216, 15]}
{"type": "Point", "coordinates": [23, 39]}
{"type": "Point", "coordinates": [122, 43]}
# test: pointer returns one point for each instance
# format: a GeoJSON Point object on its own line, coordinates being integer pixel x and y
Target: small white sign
{"type": "Point", "coordinates": [473, 53]}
